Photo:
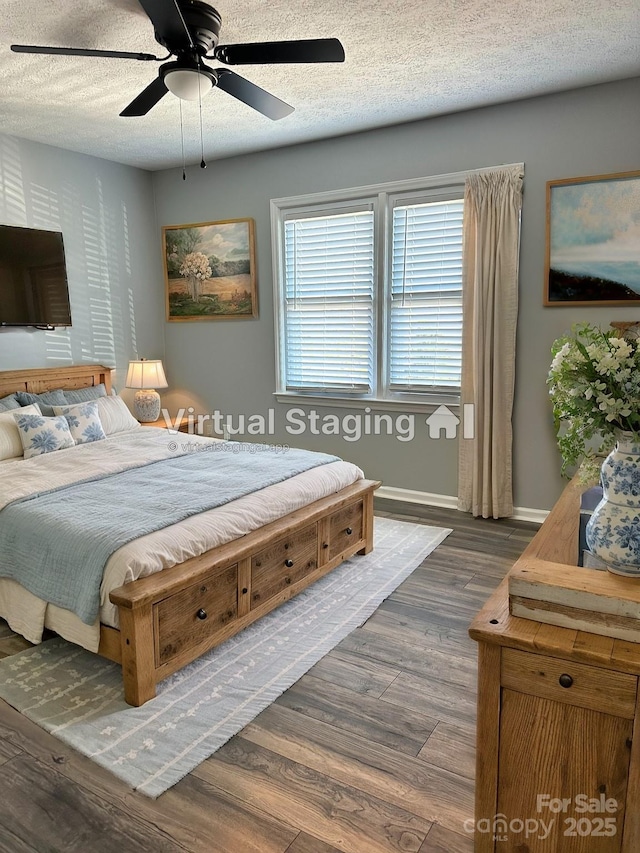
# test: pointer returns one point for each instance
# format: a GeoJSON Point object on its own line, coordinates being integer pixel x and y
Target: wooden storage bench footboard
{"type": "Point", "coordinates": [171, 618]}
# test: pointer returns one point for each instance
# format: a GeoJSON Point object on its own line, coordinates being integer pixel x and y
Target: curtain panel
{"type": "Point", "coordinates": [491, 238]}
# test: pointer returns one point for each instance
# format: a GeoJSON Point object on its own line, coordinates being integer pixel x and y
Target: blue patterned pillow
{"type": "Point", "coordinates": [9, 402]}
{"type": "Point", "coordinates": [43, 435]}
{"type": "Point", "coordinates": [46, 401]}
{"type": "Point", "coordinates": [83, 395]}
{"type": "Point", "coordinates": [84, 422]}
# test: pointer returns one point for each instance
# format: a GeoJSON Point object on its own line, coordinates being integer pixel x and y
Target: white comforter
{"type": "Point", "coordinates": [29, 615]}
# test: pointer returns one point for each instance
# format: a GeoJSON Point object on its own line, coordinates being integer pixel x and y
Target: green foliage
{"type": "Point", "coordinates": [594, 385]}
{"type": "Point", "coordinates": [179, 243]}
{"type": "Point", "coordinates": [181, 305]}
{"type": "Point", "coordinates": [221, 268]}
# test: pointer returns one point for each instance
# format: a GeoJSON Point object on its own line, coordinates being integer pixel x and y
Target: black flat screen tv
{"type": "Point", "coordinates": [33, 278]}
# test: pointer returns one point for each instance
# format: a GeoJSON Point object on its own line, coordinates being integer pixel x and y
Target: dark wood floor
{"type": "Point", "coordinates": [371, 752]}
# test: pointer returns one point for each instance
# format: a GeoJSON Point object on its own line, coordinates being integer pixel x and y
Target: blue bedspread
{"type": "Point", "coordinates": [56, 544]}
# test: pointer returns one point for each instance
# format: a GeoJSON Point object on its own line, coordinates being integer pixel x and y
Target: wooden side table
{"type": "Point", "coordinates": [558, 761]}
{"type": "Point", "coordinates": [183, 424]}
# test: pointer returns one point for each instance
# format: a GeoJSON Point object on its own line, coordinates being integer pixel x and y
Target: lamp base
{"type": "Point", "coordinates": [146, 405]}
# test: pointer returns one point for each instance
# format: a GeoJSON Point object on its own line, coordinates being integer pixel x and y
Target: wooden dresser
{"type": "Point", "coordinates": [558, 761]}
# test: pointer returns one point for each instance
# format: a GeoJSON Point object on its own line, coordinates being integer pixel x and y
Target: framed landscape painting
{"type": "Point", "coordinates": [210, 270]}
{"type": "Point", "coordinates": [593, 241]}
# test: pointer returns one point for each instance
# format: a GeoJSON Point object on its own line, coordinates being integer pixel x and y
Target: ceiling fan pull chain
{"type": "Point", "coordinates": [184, 23]}
{"type": "Point", "coordinates": [184, 171]}
{"type": "Point", "coordinates": [203, 165]}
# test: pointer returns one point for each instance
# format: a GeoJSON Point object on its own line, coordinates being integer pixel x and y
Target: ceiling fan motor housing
{"type": "Point", "coordinates": [203, 23]}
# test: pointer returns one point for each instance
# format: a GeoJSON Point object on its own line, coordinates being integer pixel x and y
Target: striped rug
{"type": "Point", "coordinates": [77, 696]}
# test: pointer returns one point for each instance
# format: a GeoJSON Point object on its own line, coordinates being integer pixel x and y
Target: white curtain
{"type": "Point", "coordinates": [490, 308]}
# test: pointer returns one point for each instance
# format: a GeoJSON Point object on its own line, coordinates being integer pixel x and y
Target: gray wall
{"type": "Point", "coordinates": [105, 212]}
{"type": "Point", "coordinates": [230, 364]}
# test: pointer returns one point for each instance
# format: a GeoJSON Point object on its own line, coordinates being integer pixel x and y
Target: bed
{"type": "Point", "coordinates": [168, 597]}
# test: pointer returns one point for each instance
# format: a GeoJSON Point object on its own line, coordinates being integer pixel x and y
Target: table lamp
{"type": "Point", "coordinates": [146, 375]}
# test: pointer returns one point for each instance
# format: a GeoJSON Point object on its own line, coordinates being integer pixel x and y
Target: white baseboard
{"type": "Point", "coordinates": [523, 513]}
{"type": "Point", "coordinates": [410, 496]}
{"type": "Point", "coordinates": [394, 493]}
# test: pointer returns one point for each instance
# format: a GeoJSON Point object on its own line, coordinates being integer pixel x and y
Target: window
{"type": "Point", "coordinates": [425, 318]}
{"type": "Point", "coordinates": [329, 302]}
{"type": "Point", "coordinates": [369, 292]}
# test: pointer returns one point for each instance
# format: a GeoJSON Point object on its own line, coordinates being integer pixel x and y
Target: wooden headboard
{"type": "Point", "coordinates": [40, 379]}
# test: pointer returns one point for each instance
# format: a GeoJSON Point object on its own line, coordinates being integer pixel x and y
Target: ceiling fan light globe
{"type": "Point", "coordinates": [187, 84]}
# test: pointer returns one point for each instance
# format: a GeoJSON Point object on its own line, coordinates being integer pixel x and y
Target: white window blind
{"type": "Point", "coordinates": [328, 302]}
{"type": "Point", "coordinates": [425, 317]}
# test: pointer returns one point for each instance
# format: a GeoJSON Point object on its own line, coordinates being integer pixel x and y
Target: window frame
{"type": "Point", "coordinates": [382, 198]}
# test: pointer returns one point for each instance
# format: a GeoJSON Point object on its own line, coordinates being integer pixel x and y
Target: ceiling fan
{"type": "Point", "coordinates": [189, 30]}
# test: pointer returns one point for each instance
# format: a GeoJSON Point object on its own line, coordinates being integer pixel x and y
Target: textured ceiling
{"type": "Point", "coordinates": [406, 60]}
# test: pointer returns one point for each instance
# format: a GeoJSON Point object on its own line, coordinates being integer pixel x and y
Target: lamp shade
{"type": "Point", "coordinates": [146, 374]}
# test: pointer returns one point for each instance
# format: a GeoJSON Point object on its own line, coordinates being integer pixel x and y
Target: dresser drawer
{"type": "Point", "coordinates": [283, 563]}
{"type": "Point", "coordinates": [190, 616]}
{"type": "Point", "coordinates": [572, 683]}
{"type": "Point", "coordinates": [345, 528]}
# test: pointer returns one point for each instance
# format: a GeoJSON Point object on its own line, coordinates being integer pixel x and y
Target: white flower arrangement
{"type": "Point", "coordinates": [196, 265]}
{"type": "Point", "coordinates": [594, 384]}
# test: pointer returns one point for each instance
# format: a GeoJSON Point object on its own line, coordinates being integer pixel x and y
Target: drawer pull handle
{"type": "Point", "coordinates": [349, 531]}
{"type": "Point", "coordinates": [244, 590]}
{"type": "Point", "coordinates": [565, 680]}
{"type": "Point", "coordinates": [201, 614]}
{"type": "Point", "coordinates": [288, 563]}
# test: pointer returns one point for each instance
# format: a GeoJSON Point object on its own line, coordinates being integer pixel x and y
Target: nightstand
{"type": "Point", "coordinates": [182, 424]}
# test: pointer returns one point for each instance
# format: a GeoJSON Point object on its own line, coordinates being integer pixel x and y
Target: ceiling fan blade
{"type": "Point", "coordinates": [168, 23]}
{"type": "Point", "coordinates": [252, 95]}
{"type": "Point", "coordinates": [267, 52]}
{"type": "Point", "coordinates": [80, 51]}
{"type": "Point", "coordinates": [147, 99]}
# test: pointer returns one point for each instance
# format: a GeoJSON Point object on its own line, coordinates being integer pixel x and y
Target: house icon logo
{"type": "Point", "coordinates": [441, 420]}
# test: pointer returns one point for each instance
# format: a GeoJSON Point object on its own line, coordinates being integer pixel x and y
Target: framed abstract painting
{"type": "Point", "coordinates": [210, 270]}
{"type": "Point", "coordinates": [593, 241]}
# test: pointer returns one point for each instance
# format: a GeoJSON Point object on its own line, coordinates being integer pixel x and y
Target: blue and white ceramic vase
{"type": "Point", "coordinates": [613, 531]}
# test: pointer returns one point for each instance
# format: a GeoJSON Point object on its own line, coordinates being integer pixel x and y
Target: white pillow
{"type": "Point", "coordinates": [115, 416]}
{"type": "Point", "coordinates": [40, 434]}
{"type": "Point", "coordinates": [10, 442]}
{"type": "Point", "coordinates": [84, 422]}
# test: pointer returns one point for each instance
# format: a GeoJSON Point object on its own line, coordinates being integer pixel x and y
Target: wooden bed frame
{"type": "Point", "coordinates": [172, 617]}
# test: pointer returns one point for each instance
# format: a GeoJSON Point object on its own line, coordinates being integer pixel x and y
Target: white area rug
{"type": "Point", "coordinates": [77, 696]}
